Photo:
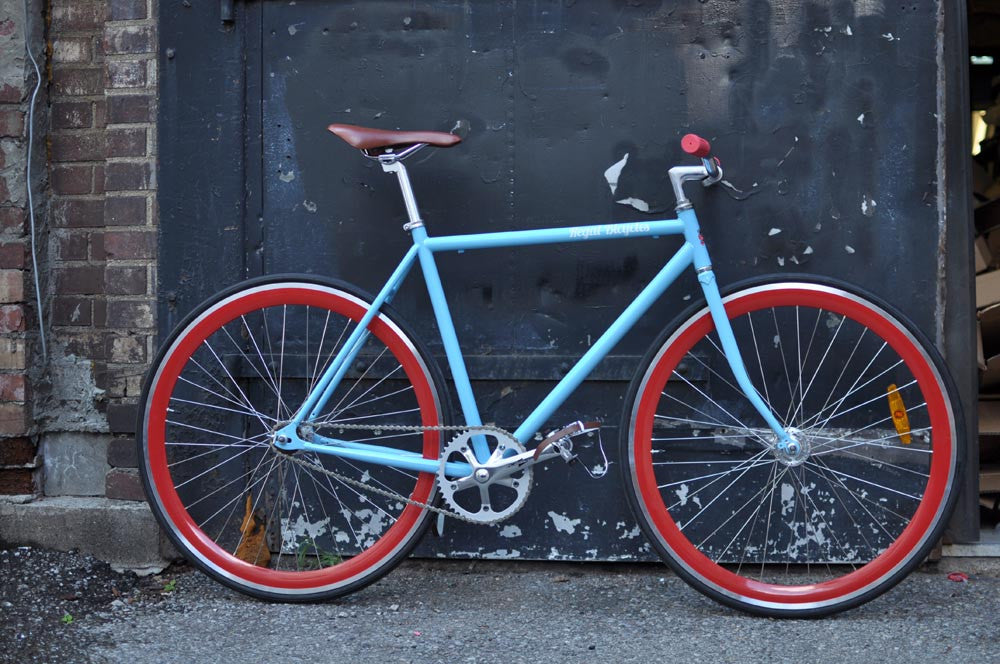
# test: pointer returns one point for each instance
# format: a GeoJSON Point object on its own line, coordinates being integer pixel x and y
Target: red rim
{"type": "Point", "coordinates": [850, 584]}
{"type": "Point", "coordinates": [160, 480]}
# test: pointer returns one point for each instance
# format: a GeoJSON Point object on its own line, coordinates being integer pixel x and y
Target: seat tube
{"type": "Point", "coordinates": [706, 278]}
{"type": "Point", "coordinates": [449, 338]}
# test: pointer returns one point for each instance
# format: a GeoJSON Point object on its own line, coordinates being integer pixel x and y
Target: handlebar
{"type": "Point", "coordinates": [697, 146]}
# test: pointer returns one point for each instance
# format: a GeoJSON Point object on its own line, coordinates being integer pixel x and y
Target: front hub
{"type": "Point", "coordinates": [795, 452]}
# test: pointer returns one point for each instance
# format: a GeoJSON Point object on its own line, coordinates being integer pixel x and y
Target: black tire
{"type": "Point", "coordinates": [224, 379]}
{"type": "Point", "coordinates": [889, 500]}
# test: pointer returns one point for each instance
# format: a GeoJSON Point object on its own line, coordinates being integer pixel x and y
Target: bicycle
{"type": "Point", "coordinates": [790, 447]}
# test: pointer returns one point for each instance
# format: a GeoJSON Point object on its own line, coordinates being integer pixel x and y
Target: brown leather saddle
{"type": "Point", "coordinates": [381, 140]}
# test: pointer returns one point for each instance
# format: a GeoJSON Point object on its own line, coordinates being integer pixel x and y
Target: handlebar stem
{"type": "Point", "coordinates": [709, 171]}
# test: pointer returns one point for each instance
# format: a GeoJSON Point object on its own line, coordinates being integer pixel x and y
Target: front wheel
{"type": "Point", "coordinates": [231, 375]}
{"type": "Point", "coordinates": [757, 529]}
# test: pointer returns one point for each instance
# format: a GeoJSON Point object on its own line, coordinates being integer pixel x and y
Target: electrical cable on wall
{"type": "Point", "coordinates": [31, 202]}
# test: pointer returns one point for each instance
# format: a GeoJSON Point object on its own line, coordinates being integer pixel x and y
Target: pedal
{"type": "Point", "coordinates": [561, 439]}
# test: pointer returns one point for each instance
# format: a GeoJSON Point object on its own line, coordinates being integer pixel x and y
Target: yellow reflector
{"type": "Point", "coordinates": [899, 418]}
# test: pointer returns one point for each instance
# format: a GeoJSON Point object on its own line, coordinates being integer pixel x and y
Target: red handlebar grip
{"type": "Point", "coordinates": [696, 145]}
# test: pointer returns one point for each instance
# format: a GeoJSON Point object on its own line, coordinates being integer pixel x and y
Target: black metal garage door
{"type": "Point", "coordinates": [826, 117]}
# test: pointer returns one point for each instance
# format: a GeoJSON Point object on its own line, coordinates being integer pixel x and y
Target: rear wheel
{"type": "Point", "coordinates": [863, 392]}
{"type": "Point", "coordinates": [232, 374]}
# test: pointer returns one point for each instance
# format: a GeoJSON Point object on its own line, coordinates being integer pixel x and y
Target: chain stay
{"type": "Point", "coordinates": [485, 428]}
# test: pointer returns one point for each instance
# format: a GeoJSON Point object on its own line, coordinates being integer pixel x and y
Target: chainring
{"type": "Point", "coordinates": [484, 496]}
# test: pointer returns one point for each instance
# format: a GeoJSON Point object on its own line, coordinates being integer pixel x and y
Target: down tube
{"type": "Point", "coordinates": [606, 342]}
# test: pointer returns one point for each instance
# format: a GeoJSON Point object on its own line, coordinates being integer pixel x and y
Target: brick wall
{"type": "Point", "coordinates": [19, 464]}
{"type": "Point", "coordinates": [102, 146]}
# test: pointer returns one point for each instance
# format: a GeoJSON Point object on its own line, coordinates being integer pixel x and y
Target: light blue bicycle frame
{"type": "Point", "coordinates": [691, 253]}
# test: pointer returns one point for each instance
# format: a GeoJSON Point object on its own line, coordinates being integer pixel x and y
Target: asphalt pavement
{"type": "Point", "coordinates": [482, 611]}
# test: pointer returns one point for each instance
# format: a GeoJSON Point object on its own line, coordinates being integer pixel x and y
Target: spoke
{"type": "Point", "coordinates": [204, 472]}
{"type": "Point", "coordinates": [760, 364]}
{"type": "Point", "coordinates": [733, 515]}
{"type": "Point", "coordinates": [235, 384]}
{"type": "Point", "coordinates": [212, 445]}
{"type": "Point", "coordinates": [366, 417]}
{"type": "Point", "coordinates": [887, 464]}
{"type": "Point", "coordinates": [385, 436]}
{"type": "Point", "coordinates": [767, 529]}
{"type": "Point", "coordinates": [281, 358]}
{"type": "Point", "coordinates": [863, 481]}
{"type": "Point", "coordinates": [269, 379]}
{"type": "Point", "coordinates": [214, 433]}
{"type": "Point", "coordinates": [355, 403]}
{"type": "Point", "coordinates": [798, 355]}
{"type": "Point", "coordinates": [735, 480]}
{"type": "Point", "coordinates": [234, 502]}
{"type": "Point", "coordinates": [833, 487]}
{"type": "Point", "coordinates": [317, 373]}
{"type": "Point", "coordinates": [708, 438]}
{"type": "Point", "coordinates": [829, 449]}
{"type": "Point", "coordinates": [853, 388]}
{"type": "Point", "coordinates": [326, 515]}
{"type": "Point", "coordinates": [214, 449]}
{"type": "Point", "coordinates": [843, 370]}
{"type": "Point", "coordinates": [713, 402]}
{"type": "Point", "coordinates": [781, 353]}
{"type": "Point", "coordinates": [344, 512]}
{"type": "Point", "coordinates": [336, 410]}
{"type": "Point", "coordinates": [819, 513]}
{"type": "Point", "coordinates": [858, 499]}
{"type": "Point", "coordinates": [866, 428]}
{"type": "Point", "coordinates": [305, 511]}
{"type": "Point", "coordinates": [754, 518]}
{"type": "Point", "coordinates": [384, 396]}
{"type": "Point", "coordinates": [822, 360]}
{"type": "Point", "coordinates": [282, 471]}
{"type": "Point", "coordinates": [710, 475]}
{"type": "Point", "coordinates": [230, 410]}
{"type": "Point", "coordinates": [877, 397]}
{"type": "Point", "coordinates": [376, 480]}
{"type": "Point", "coordinates": [694, 463]}
{"type": "Point", "coordinates": [364, 498]}
{"type": "Point", "coordinates": [252, 412]}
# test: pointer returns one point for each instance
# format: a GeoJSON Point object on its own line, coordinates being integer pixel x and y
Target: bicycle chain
{"type": "Point", "coordinates": [485, 428]}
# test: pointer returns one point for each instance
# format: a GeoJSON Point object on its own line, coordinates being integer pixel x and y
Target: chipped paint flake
{"type": "Point", "coordinates": [889, 37]}
{"type": "Point", "coordinates": [286, 177]}
{"type": "Point", "coordinates": [861, 119]}
{"type": "Point", "coordinates": [848, 248]}
{"type": "Point", "coordinates": [868, 205]}
{"type": "Point", "coordinates": [299, 529]}
{"type": "Point", "coordinates": [510, 530]}
{"type": "Point", "coordinates": [614, 171]}
{"type": "Point", "coordinates": [807, 251]}
{"type": "Point", "coordinates": [847, 31]}
{"type": "Point", "coordinates": [781, 261]}
{"type": "Point", "coordinates": [774, 231]}
{"type": "Point", "coordinates": [682, 494]}
{"type": "Point", "coordinates": [637, 203]}
{"type": "Point", "coordinates": [564, 523]}
{"type": "Point", "coordinates": [310, 206]}
{"type": "Point", "coordinates": [787, 499]}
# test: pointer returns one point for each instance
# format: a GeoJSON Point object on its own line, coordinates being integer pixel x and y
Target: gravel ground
{"type": "Point", "coordinates": [460, 611]}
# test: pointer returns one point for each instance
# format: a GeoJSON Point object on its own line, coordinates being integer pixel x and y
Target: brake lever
{"type": "Point", "coordinates": [714, 168]}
